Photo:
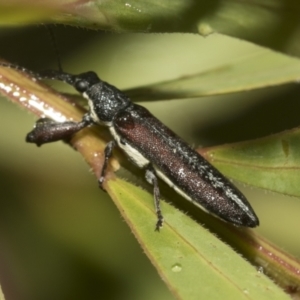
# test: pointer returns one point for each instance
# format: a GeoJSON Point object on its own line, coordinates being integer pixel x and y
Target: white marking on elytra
{"type": "Point", "coordinates": [230, 193]}
{"type": "Point", "coordinates": [178, 190]}
{"type": "Point", "coordinates": [181, 173]}
{"type": "Point", "coordinates": [218, 182]}
{"type": "Point", "coordinates": [132, 153]}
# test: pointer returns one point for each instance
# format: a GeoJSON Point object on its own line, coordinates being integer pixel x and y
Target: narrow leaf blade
{"type": "Point", "coordinates": [190, 260]}
{"type": "Point", "coordinates": [250, 68]}
{"type": "Point", "coordinates": [271, 163]}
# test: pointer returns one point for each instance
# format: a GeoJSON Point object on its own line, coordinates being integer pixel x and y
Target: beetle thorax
{"type": "Point", "coordinates": [105, 101]}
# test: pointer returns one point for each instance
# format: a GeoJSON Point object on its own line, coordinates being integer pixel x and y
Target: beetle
{"type": "Point", "coordinates": [149, 144]}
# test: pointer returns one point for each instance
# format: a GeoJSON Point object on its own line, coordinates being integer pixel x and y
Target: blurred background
{"type": "Point", "coordinates": [61, 237]}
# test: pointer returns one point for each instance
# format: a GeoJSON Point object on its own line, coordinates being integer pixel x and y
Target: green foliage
{"type": "Point", "coordinates": [189, 258]}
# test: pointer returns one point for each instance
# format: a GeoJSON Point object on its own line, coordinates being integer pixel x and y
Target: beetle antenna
{"type": "Point", "coordinates": [53, 38]}
{"type": "Point", "coordinates": [47, 74]}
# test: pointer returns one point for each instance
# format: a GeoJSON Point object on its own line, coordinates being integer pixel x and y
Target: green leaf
{"type": "Point", "coordinates": [24, 12]}
{"type": "Point", "coordinates": [250, 68]}
{"type": "Point", "coordinates": [182, 247]}
{"type": "Point", "coordinates": [271, 23]}
{"type": "Point", "coordinates": [190, 259]}
{"type": "Point", "coordinates": [272, 163]}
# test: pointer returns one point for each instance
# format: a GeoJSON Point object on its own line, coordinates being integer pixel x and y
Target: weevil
{"type": "Point", "coordinates": [149, 144]}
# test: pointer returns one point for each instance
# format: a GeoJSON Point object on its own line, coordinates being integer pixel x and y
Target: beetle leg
{"type": "Point", "coordinates": [107, 154]}
{"type": "Point", "coordinates": [47, 131]}
{"type": "Point", "coordinates": [151, 177]}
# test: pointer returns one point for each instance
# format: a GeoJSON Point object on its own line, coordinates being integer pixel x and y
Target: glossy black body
{"type": "Point", "coordinates": [150, 145]}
